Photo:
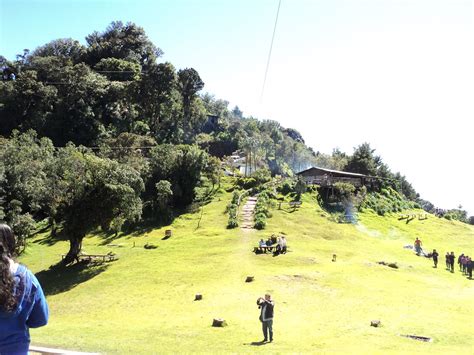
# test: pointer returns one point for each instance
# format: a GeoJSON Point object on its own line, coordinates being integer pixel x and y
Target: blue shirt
{"type": "Point", "coordinates": [31, 312]}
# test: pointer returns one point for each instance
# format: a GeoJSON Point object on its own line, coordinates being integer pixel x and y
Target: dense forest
{"type": "Point", "coordinates": [105, 135]}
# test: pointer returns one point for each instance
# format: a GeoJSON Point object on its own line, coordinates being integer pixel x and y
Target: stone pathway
{"type": "Point", "coordinates": [247, 213]}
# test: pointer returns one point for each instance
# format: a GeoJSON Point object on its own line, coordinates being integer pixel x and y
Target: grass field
{"type": "Point", "coordinates": [144, 302]}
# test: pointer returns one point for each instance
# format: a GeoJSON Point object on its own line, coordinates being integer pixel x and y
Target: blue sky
{"type": "Point", "coordinates": [395, 73]}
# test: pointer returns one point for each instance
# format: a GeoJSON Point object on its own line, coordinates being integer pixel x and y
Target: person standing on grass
{"type": "Point", "coordinates": [460, 261]}
{"type": "Point", "coordinates": [469, 267]}
{"type": "Point", "coordinates": [452, 257]}
{"type": "Point", "coordinates": [418, 246]}
{"type": "Point", "coordinates": [22, 301]}
{"type": "Point", "coordinates": [266, 306]}
{"type": "Point", "coordinates": [447, 261]}
{"type": "Point", "coordinates": [464, 264]}
{"type": "Point", "coordinates": [435, 258]}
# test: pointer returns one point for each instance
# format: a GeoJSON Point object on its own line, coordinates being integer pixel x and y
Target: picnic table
{"type": "Point", "coordinates": [94, 257]}
{"type": "Point", "coordinates": [412, 216]}
{"type": "Point", "coordinates": [294, 204]}
{"type": "Point", "coordinates": [265, 248]}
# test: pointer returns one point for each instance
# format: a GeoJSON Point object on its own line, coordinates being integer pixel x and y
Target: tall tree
{"type": "Point", "coordinates": [66, 48]}
{"type": "Point", "coordinates": [189, 83]}
{"type": "Point", "coordinates": [122, 41]}
{"type": "Point", "coordinates": [154, 92]}
{"type": "Point", "coordinates": [364, 161]}
{"type": "Point", "coordinates": [98, 191]}
{"type": "Point", "coordinates": [25, 103]}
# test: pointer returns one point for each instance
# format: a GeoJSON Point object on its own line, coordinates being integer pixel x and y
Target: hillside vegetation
{"type": "Point", "coordinates": [144, 301]}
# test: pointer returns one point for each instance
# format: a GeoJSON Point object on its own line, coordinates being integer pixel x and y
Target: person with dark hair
{"type": "Point", "coordinates": [469, 267]}
{"type": "Point", "coordinates": [266, 305]}
{"type": "Point", "coordinates": [435, 258]}
{"type": "Point", "coordinates": [22, 301]}
{"type": "Point", "coordinates": [452, 257]}
{"type": "Point", "coordinates": [447, 261]}
{"type": "Point", "coordinates": [464, 264]}
{"type": "Point", "coordinates": [460, 257]}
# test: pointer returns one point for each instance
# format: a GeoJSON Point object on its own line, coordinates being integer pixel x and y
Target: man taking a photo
{"type": "Point", "coordinates": [266, 305]}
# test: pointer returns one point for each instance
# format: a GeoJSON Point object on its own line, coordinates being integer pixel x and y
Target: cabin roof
{"type": "Point", "coordinates": [333, 172]}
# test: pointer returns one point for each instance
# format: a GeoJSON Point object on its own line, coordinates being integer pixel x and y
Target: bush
{"type": "Point", "coordinates": [262, 176]}
{"type": "Point", "coordinates": [285, 188]}
{"type": "Point", "coordinates": [247, 183]}
{"type": "Point", "coordinates": [388, 200]}
{"type": "Point", "coordinates": [235, 197]}
{"type": "Point", "coordinates": [261, 209]}
{"type": "Point", "coordinates": [232, 223]}
{"type": "Point", "coordinates": [260, 223]}
{"type": "Point", "coordinates": [344, 190]}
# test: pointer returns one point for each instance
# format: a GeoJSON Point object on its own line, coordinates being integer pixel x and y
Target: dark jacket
{"type": "Point", "coordinates": [267, 310]}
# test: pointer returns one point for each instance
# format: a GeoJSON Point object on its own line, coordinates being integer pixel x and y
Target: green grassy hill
{"type": "Point", "coordinates": [144, 302]}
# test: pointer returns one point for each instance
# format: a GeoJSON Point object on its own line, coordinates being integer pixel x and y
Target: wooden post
{"type": "Point", "coordinates": [219, 322]}
{"type": "Point", "coordinates": [375, 323]}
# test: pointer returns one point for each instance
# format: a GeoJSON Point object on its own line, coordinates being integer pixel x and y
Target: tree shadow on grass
{"type": "Point", "coordinates": [51, 239]}
{"type": "Point", "coordinates": [59, 278]}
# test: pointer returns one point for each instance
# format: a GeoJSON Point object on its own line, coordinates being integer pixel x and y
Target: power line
{"type": "Point", "coordinates": [270, 51]}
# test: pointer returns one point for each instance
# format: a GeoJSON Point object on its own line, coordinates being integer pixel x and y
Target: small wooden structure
{"type": "Point", "coordinates": [294, 204]}
{"type": "Point", "coordinates": [328, 177]}
{"type": "Point", "coordinates": [219, 322]}
{"type": "Point", "coordinates": [375, 323]}
{"type": "Point", "coordinates": [94, 257]}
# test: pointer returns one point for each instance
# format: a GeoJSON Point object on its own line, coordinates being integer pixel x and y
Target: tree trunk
{"type": "Point", "coordinates": [54, 227]}
{"type": "Point", "coordinates": [75, 246]}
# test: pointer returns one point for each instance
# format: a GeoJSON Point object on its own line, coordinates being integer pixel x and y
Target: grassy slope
{"type": "Point", "coordinates": [143, 303]}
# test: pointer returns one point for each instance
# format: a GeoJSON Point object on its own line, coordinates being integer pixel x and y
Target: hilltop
{"type": "Point", "coordinates": [144, 301]}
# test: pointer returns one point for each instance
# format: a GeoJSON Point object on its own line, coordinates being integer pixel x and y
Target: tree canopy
{"type": "Point", "coordinates": [102, 135]}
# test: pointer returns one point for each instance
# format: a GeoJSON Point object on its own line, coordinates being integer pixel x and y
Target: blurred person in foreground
{"type": "Point", "coordinates": [22, 301]}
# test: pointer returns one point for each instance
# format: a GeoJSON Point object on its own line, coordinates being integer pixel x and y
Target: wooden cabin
{"type": "Point", "coordinates": [327, 177]}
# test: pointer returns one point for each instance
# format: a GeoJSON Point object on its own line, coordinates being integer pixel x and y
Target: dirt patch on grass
{"type": "Point", "coordinates": [307, 260]}
{"type": "Point", "coordinates": [303, 281]}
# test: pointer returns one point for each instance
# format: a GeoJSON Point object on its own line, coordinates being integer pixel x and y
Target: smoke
{"type": "Point", "coordinates": [350, 212]}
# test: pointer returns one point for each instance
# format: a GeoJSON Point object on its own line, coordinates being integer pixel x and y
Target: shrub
{"type": "Point", "coordinates": [261, 176]}
{"type": "Point", "coordinates": [386, 201]}
{"type": "Point", "coordinates": [261, 209]}
{"type": "Point", "coordinates": [285, 188]}
{"type": "Point", "coordinates": [232, 223]}
{"type": "Point", "coordinates": [260, 223]}
{"type": "Point", "coordinates": [247, 183]}
{"type": "Point", "coordinates": [235, 197]}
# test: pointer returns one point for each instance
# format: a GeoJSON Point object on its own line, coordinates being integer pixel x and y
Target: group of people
{"type": "Point", "coordinates": [465, 265]}
{"type": "Point", "coordinates": [450, 258]}
{"type": "Point", "coordinates": [464, 261]}
{"type": "Point", "coordinates": [269, 244]}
